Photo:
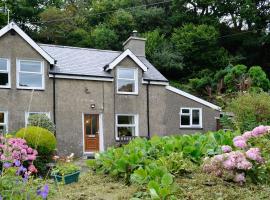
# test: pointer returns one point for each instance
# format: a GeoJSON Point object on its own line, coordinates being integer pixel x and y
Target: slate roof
{"type": "Point", "coordinates": [91, 62]}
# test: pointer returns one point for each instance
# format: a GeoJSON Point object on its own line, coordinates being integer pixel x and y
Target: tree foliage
{"type": "Point", "coordinates": [250, 110]}
{"type": "Point", "coordinates": [186, 38]}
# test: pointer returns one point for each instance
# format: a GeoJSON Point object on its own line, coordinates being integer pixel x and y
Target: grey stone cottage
{"type": "Point", "coordinates": [95, 97]}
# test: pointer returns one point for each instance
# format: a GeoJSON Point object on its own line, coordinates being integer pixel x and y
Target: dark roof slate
{"type": "Point", "coordinates": [91, 62]}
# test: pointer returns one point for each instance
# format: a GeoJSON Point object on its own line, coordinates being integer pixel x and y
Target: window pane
{"type": "Point", "coordinates": [87, 122]}
{"type": "Point", "coordinates": [185, 110]}
{"type": "Point", "coordinates": [3, 64]}
{"type": "Point", "coordinates": [2, 117]}
{"type": "Point", "coordinates": [2, 130]}
{"type": "Point", "coordinates": [30, 66]}
{"type": "Point", "coordinates": [94, 124]}
{"type": "Point", "coordinates": [126, 120]}
{"type": "Point", "coordinates": [185, 120]}
{"type": "Point", "coordinates": [126, 131]}
{"type": "Point", "coordinates": [195, 117]}
{"type": "Point", "coordinates": [126, 73]}
{"type": "Point", "coordinates": [3, 79]}
{"type": "Point", "coordinates": [126, 85]}
{"type": "Point", "coordinates": [30, 80]}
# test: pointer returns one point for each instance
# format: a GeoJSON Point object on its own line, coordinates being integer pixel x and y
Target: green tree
{"type": "Point", "coordinates": [235, 79]}
{"type": "Point", "coordinates": [259, 78]}
{"type": "Point", "coordinates": [122, 22]}
{"type": "Point", "coordinates": [250, 110]}
{"type": "Point", "coordinates": [198, 45]}
{"type": "Point", "coordinates": [104, 38]}
{"type": "Point", "coordinates": [161, 53]}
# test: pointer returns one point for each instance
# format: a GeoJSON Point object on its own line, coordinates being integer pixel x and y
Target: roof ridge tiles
{"type": "Point", "coordinates": [83, 48]}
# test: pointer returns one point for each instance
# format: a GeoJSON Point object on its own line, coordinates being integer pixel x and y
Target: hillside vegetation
{"type": "Point", "coordinates": [191, 42]}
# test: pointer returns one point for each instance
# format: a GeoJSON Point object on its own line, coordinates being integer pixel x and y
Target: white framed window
{"type": "Point", "coordinates": [30, 74]}
{"type": "Point", "coordinates": [3, 122]}
{"type": "Point", "coordinates": [127, 81]}
{"type": "Point", "coordinates": [190, 118]}
{"type": "Point", "coordinates": [28, 114]}
{"type": "Point", "coordinates": [126, 125]}
{"type": "Point", "coordinates": [5, 81]}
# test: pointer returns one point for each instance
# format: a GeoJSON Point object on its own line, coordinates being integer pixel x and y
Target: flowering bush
{"type": "Point", "coordinates": [246, 160]}
{"type": "Point", "coordinates": [15, 151]}
{"type": "Point", "coordinates": [16, 181]}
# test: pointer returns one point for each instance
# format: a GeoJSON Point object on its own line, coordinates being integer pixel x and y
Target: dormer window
{"type": "Point", "coordinates": [4, 73]}
{"type": "Point", "coordinates": [127, 81]}
{"type": "Point", "coordinates": [30, 74]}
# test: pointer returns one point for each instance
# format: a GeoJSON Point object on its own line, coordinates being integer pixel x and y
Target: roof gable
{"type": "Point", "coordinates": [31, 42]}
{"type": "Point", "coordinates": [126, 53]}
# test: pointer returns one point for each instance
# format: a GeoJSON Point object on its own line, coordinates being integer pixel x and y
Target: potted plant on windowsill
{"type": "Point", "coordinates": [66, 172]}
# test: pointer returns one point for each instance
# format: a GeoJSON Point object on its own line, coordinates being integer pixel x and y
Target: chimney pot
{"type": "Point", "coordinates": [135, 33]}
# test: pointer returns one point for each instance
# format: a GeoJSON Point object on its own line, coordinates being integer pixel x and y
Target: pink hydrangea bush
{"type": "Point", "coordinates": [15, 152]}
{"type": "Point", "coordinates": [234, 165]}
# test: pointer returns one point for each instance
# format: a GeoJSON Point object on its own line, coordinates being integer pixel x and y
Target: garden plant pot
{"type": "Point", "coordinates": [69, 178]}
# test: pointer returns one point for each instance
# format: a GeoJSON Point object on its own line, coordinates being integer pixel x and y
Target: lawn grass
{"type": "Point", "coordinates": [95, 187]}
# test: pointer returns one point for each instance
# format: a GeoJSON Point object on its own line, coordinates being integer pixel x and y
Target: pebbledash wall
{"type": "Point", "coordinates": [74, 97]}
{"type": "Point", "coordinates": [17, 101]}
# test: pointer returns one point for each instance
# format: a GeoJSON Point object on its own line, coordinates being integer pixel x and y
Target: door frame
{"type": "Point", "coordinates": [101, 135]}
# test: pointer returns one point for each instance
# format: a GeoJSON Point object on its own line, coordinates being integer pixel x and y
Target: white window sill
{"type": "Point", "coordinates": [5, 87]}
{"type": "Point", "coordinates": [191, 127]}
{"type": "Point", "coordinates": [127, 93]}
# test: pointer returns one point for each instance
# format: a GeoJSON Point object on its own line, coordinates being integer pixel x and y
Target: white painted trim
{"type": "Point", "coordinates": [136, 125]}
{"type": "Point", "coordinates": [155, 82]}
{"type": "Point", "coordinates": [101, 134]}
{"type": "Point", "coordinates": [200, 125]}
{"type": "Point", "coordinates": [135, 80]}
{"type": "Point", "coordinates": [126, 53]}
{"type": "Point", "coordinates": [5, 120]}
{"type": "Point", "coordinates": [26, 115]}
{"type": "Point", "coordinates": [9, 73]}
{"type": "Point", "coordinates": [31, 42]}
{"type": "Point", "coordinates": [81, 78]}
{"type": "Point", "coordinates": [192, 97]}
{"type": "Point", "coordinates": [18, 70]}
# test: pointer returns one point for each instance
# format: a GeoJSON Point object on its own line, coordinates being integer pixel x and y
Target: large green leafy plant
{"type": "Point", "coordinates": [154, 162]}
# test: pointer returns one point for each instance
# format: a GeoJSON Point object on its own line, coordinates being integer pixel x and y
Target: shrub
{"type": "Point", "coordinates": [41, 120]}
{"type": "Point", "coordinates": [247, 160]}
{"type": "Point", "coordinates": [39, 138]}
{"type": "Point", "coordinates": [250, 110]}
{"type": "Point", "coordinates": [42, 140]}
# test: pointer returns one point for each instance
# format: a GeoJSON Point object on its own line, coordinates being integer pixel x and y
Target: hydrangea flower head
{"type": "Point", "coordinates": [240, 178]}
{"type": "Point", "coordinates": [226, 148]}
{"type": "Point", "coordinates": [247, 135]}
{"type": "Point", "coordinates": [260, 130]}
{"type": "Point", "coordinates": [240, 143]}
{"type": "Point", "coordinates": [254, 154]}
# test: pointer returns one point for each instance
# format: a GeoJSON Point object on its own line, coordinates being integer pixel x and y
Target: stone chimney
{"type": "Point", "coordinates": [135, 44]}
